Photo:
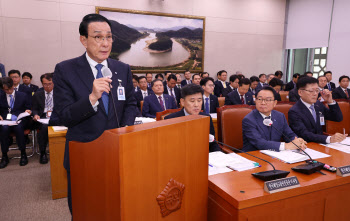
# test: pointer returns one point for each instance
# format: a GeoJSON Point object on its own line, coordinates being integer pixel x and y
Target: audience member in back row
{"type": "Point", "coordinates": [342, 92]}
{"type": "Point", "coordinates": [276, 84]}
{"type": "Point", "coordinates": [269, 78]}
{"type": "Point", "coordinates": [135, 83]}
{"type": "Point", "coordinates": [204, 75]}
{"type": "Point", "coordinates": [27, 81]}
{"type": "Point", "coordinates": [292, 84]}
{"type": "Point", "coordinates": [308, 74]}
{"type": "Point", "coordinates": [15, 75]}
{"type": "Point", "coordinates": [241, 95]}
{"type": "Point", "coordinates": [258, 134]}
{"type": "Point", "coordinates": [149, 78]}
{"type": "Point", "coordinates": [210, 101]}
{"type": "Point", "coordinates": [171, 89]}
{"type": "Point", "coordinates": [187, 79]}
{"type": "Point", "coordinates": [158, 101]}
{"type": "Point", "coordinates": [159, 76]}
{"type": "Point", "coordinates": [143, 92]}
{"type": "Point", "coordinates": [13, 103]}
{"type": "Point", "coordinates": [322, 82]}
{"type": "Point", "coordinates": [221, 83]}
{"type": "Point", "coordinates": [330, 85]}
{"type": "Point", "coordinates": [254, 81]}
{"type": "Point", "coordinates": [196, 79]}
{"type": "Point", "coordinates": [178, 80]}
{"type": "Point", "coordinates": [191, 100]}
{"type": "Point", "coordinates": [308, 115]}
{"type": "Point", "coordinates": [262, 81]}
{"type": "Point", "coordinates": [234, 83]}
{"type": "Point", "coordinates": [279, 75]}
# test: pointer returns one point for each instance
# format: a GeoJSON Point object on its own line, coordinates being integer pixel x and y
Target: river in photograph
{"type": "Point", "coordinates": [137, 56]}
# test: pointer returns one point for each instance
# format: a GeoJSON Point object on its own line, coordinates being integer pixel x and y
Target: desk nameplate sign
{"type": "Point", "coordinates": [275, 186]}
{"type": "Point", "coordinates": [343, 171]}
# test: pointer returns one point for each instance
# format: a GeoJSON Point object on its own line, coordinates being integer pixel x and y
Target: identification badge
{"type": "Point", "coordinates": [9, 117]}
{"type": "Point", "coordinates": [322, 120]}
{"type": "Point", "coordinates": [48, 114]}
{"type": "Point", "coordinates": [121, 91]}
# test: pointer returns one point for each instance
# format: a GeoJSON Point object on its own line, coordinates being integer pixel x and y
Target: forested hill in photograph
{"type": "Point", "coordinates": [183, 33]}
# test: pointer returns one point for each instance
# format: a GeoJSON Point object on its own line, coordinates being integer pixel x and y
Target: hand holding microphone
{"type": "Point", "coordinates": [101, 85]}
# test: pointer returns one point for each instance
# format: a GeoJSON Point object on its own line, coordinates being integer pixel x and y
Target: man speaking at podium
{"type": "Point", "coordinates": [83, 97]}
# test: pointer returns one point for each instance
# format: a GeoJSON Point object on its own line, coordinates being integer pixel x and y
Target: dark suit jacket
{"type": "Point", "coordinates": [73, 81]}
{"type": "Point", "coordinates": [213, 104]}
{"type": "Point", "coordinates": [289, 86]}
{"type": "Point", "coordinates": [254, 93]}
{"type": "Point", "coordinates": [259, 87]}
{"type": "Point", "coordinates": [33, 87]}
{"type": "Point", "coordinates": [219, 88]}
{"type": "Point", "coordinates": [303, 124]}
{"type": "Point", "coordinates": [184, 82]}
{"type": "Point", "coordinates": [233, 98]}
{"type": "Point", "coordinates": [38, 103]}
{"type": "Point", "coordinates": [226, 91]}
{"type": "Point", "coordinates": [332, 86]}
{"type": "Point", "coordinates": [212, 146]}
{"type": "Point", "coordinates": [25, 89]}
{"type": "Point", "coordinates": [338, 93]}
{"type": "Point", "coordinates": [151, 105]}
{"type": "Point", "coordinates": [293, 95]}
{"type": "Point", "coordinates": [177, 94]}
{"type": "Point", "coordinates": [21, 104]}
{"type": "Point", "coordinates": [139, 97]}
{"type": "Point", "coordinates": [257, 136]}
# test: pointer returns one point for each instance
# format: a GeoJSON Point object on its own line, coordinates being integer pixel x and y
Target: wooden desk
{"type": "Point", "coordinates": [57, 142]}
{"type": "Point", "coordinates": [215, 124]}
{"type": "Point", "coordinates": [320, 197]}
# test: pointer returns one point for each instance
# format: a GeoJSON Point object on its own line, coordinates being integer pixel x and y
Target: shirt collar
{"type": "Point", "coordinates": [143, 90]}
{"type": "Point", "coordinates": [186, 114]}
{"type": "Point", "coordinates": [94, 63]}
{"type": "Point", "coordinates": [13, 94]}
{"type": "Point", "coordinates": [264, 116]}
{"type": "Point", "coordinates": [306, 104]}
{"type": "Point", "coordinates": [205, 96]}
{"type": "Point", "coordinates": [343, 88]}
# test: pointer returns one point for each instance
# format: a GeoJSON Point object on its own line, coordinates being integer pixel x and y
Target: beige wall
{"type": "Point", "coordinates": [245, 35]}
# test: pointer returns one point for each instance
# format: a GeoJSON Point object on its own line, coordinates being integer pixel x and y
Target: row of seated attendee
{"type": "Point", "coordinates": [17, 98]}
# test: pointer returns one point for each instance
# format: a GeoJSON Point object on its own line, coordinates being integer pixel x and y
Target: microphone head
{"type": "Point", "coordinates": [267, 122]}
{"type": "Point", "coordinates": [211, 138]}
{"type": "Point", "coordinates": [106, 72]}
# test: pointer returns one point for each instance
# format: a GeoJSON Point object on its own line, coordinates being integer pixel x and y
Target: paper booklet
{"type": "Point", "coordinates": [295, 156]}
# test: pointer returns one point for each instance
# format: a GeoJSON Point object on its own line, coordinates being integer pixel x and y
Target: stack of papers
{"type": "Point", "coordinates": [342, 146]}
{"type": "Point", "coordinates": [8, 122]}
{"type": "Point", "coordinates": [214, 115]}
{"type": "Point", "coordinates": [222, 163]}
{"type": "Point", "coordinates": [295, 156]}
{"type": "Point", "coordinates": [143, 120]}
{"type": "Point", "coordinates": [59, 128]}
{"type": "Point", "coordinates": [44, 121]}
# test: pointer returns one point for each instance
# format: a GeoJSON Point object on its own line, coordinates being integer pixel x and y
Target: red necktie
{"type": "Point", "coordinates": [346, 92]}
{"type": "Point", "coordinates": [161, 102]}
{"type": "Point", "coordinates": [242, 99]}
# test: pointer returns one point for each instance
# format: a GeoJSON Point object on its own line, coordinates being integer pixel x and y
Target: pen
{"type": "Point", "coordinates": [344, 131]}
{"type": "Point", "coordinates": [210, 165]}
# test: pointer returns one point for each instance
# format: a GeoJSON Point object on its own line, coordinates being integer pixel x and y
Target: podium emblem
{"type": "Point", "coordinates": [170, 198]}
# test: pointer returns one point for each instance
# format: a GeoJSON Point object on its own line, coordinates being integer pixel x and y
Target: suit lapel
{"type": "Point", "coordinates": [156, 102]}
{"type": "Point", "coordinates": [307, 113]}
{"type": "Point", "coordinates": [261, 125]}
{"type": "Point", "coordinates": [85, 73]}
{"type": "Point", "coordinates": [42, 100]}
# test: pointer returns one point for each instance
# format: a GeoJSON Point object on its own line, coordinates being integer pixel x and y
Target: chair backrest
{"type": "Point", "coordinates": [141, 105]}
{"type": "Point", "coordinates": [163, 114]}
{"type": "Point", "coordinates": [284, 95]}
{"type": "Point", "coordinates": [230, 124]}
{"type": "Point", "coordinates": [221, 101]}
{"type": "Point", "coordinates": [333, 127]}
{"type": "Point", "coordinates": [284, 107]}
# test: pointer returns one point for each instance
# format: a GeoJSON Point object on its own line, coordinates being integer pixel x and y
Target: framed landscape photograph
{"type": "Point", "coordinates": [156, 42]}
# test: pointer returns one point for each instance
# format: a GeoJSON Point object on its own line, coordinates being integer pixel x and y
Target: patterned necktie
{"type": "Point", "coordinates": [242, 99]}
{"type": "Point", "coordinates": [144, 95]}
{"type": "Point", "coordinates": [269, 127]}
{"type": "Point", "coordinates": [171, 93]}
{"type": "Point", "coordinates": [12, 101]}
{"type": "Point", "coordinates": [207, 105]}
{"type": "Point", "coordinates": [346, 92]}
{"type": "Point", "coordinates": [161, 102]}
{"type": "Point", "coordinates": [105, 98]}
{"type": "Point", "coordinates": [48, 102]}
{"type": "Point", "coordinates": [313, 112]}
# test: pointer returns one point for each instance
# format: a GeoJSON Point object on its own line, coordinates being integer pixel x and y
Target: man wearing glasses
{"type": "Point", "coordinates": [82, 95]}
{"type": "Point", "coordinates": [308, 115]}
{"type": "Point", "coordinates": [259, 134]}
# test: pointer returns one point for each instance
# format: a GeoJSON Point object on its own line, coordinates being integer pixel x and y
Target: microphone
{"type": "Point", "coordinates": [106, 72]}
{"type": "Point", "coordinates": [311, 166]}
{"type": "Point", "coordinates": [265, 175]}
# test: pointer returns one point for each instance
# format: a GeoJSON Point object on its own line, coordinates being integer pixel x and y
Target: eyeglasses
{"type": "Point", "coordinates": [312, 91]}
{"type": "Point", "coordinates": [267, 100]}
{"type": "Point", "coordinates": [99, 39]}
{"type": "Point", "coordinates": [47, 84]}
{"type": "Point", "coordinates": [211, 85]}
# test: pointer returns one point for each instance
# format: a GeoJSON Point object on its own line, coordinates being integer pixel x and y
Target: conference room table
{"type": "Point", "coordinates": [240, 196]}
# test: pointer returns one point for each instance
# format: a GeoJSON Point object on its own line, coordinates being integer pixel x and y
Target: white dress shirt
{"type": "Point", "coordinates": [144, 93]}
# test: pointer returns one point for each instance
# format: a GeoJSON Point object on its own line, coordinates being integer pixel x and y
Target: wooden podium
{"type": "Point", "coordinates": [120, 175]}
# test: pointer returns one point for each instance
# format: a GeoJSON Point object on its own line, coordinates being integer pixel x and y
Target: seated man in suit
{"type": "Point", "coordinates": [27, 81]}
{"type": "Point", "coordinates": [269, 78]}
{"type": "Point", "coordinates": [149, 78]}
{"type": "Point", "coordinates": [307, 115]}
{"type": "Point", "coordinates": [254, 81]}
{"type": "Point", "coordinates": [204, 75]}
{"type": "Point", "coordinates": [221, 83]}
{"type": "Point", "coordinates": [171, 89]}
{"type": "Point", "coordinates": [279, 75]}
{"type": "Point", "coordinates": [210, 101]}
{"type": "Point", "coordinates": [342, 92]}
{"type": "Point", "coordinates": [241, 95]}
{"type": "Point", "coordinates": [330, 85]}
{"type": "Point", "coordinates": [196, 79]}
{"type": "Point", "coordinates": [13, 103]}
{"type": "Point", "coordinates": [191, 100]}
{"type": "Point", "coordinates": [258, 136]}
{"type": "Point", "coordinates": [187, 79]}
{"type": "Point", "coordinates": [276, 84]}
{"type": "Point", "coordinates": [42, 107]}
{"type": "Point", "coordinates": [158, 101]}
{"type": "Point", "coordinates": [234, 83]}
{"type": "Point", "coordinates": [135, 82]}
{"type": "Point", "coordinates": [16, 77]}
{"type": "Point", "coordinates": [262, 81]}
{"type": "Point", "coordinates": [178, 80]}
{"type": "Point", "coordinates": [159, 76]}
{"type": "Point", "coordinates": [166, 75]}
{"type": "Point", "coordinates": [292, 84]}
{"type": "Point", "coordinates": [143, 92]}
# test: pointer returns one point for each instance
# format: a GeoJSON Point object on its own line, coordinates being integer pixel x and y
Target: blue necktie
{"type": "Point", "coordinates": [12, 102]}
{"type": "Point", "coordinates": [329, 86]}
{"type": "Point", "coordinates": [313, 112]}
{"type": "Point", "coordinates": [207, 105]}
{"type": "Point", "coordinates": [105, 98]}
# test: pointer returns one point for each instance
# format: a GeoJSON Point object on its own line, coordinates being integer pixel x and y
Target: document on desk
{"type": "Point", "coordinates": [59, 128]}
{"type": "Point", "coordinates": [214, 115]}
{"type": "Point", "coordinates": [295, 156]}
{"type": "Point", "coordinates": [8, 123]}
{"type": "Point", "coordinates": [222, 163]}
{"type": "Point", "coordinates": [339, 146]}
{"type": "Point", "coordinates": [44, 121]}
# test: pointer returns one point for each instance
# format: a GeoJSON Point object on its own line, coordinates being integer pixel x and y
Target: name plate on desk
{"type": "Point", "coordinates": [274, 186]}
{"type": "Point", "coordinates": [343, 171]}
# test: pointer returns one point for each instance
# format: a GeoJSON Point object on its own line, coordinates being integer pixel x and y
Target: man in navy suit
{"type": "Point", "coordinates": [330, 85]}
{"type": "Point", "coordinates": [221, 83]}
{"type": "Point", "coordinates": [342, 92]}
{"type": "Point", "coordinates": [135, 80]}
{"type": "Point", "coordinates": [187, 79]}
{"type": "Point", "coordinates": [171, 89]}
{"type": "Point", "coordinates": [191, 100]}
{"type": "Point", "coordinates": [158, 101]}
{"type": "Point", "coordinates": [241, 95]}
{"type": "Point", "coordinates": [178, 81]}
{"type": "Point", "coordinates": [12, 103]}
{"type": "Point", "coordinates": [258, 135]}
{"type": "Point", "coordinates": [210, 101]}
{"type": "Point", "coordinates": [16, 77]}
{"type": "Point", "coordinates": [307, 115]}
{"type": "Point", "coordinates": [83, 97]}
{"type": "Point", "coordinates": [149, 78]}
{"type": "Point", "coordinates": [254, 82]}
{"type": "Point", "coordinates": [27, 82]}
{"type": "Point", "coordinates": [277, 85]}
{"type": "Point", "coordinates": [262, 81]}
{"type": "Point", "coordinates": [143, 92]}
{"type": "Point", "coordinates": [234, 83]}
{"type": "Point", "coordinates": [292, 84]}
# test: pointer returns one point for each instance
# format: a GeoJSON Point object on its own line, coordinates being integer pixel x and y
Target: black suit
{"type": "Point", "coordinates": [184, 82]}
{"type": "Point", "coordinates": [213, 104]}
{"type": "Point", "coordinates": [234, 98]}
{"type": "Point", "coordinates": [33, 88]}
{"type": "Point", "coordinates": [339, 93]}
{"type": "Point", "coordinates": [293, 95]}
{"type": "Point", "coordinates": [212, 146]}
{"type": "Point", "coordinates": [139, 97]}
{"type": "Point", "coordinates": [177, 94]}
{"type": "Point", "coordinates": [254, 92]}
{"type": "Point", "coordinates": [219, 88]}
{"type": "Point", "coordinates": [227, 90]}
{"type": "Point", "coordinates": [332, 86]}
{"type": "Point", "coordinates": [289, 86]}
